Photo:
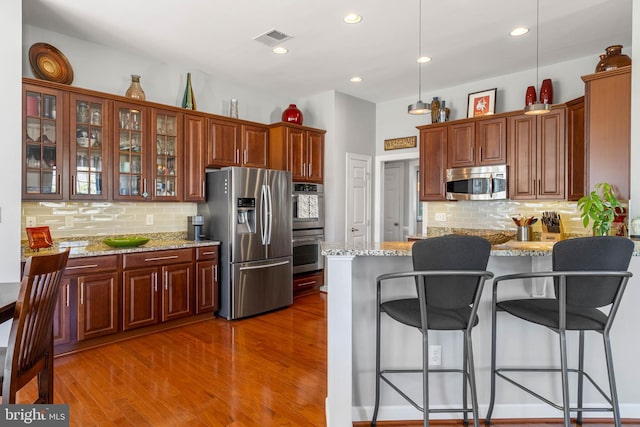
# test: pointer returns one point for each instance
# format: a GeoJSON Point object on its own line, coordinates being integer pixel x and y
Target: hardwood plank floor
{"type": "Point", "coordinates": [263, 371]}
{"type": "Point", "coordinates": [268, 370]}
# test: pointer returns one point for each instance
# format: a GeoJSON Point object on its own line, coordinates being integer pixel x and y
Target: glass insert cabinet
{"type": "Point", "coordinates": [42, 143]}
{"type": "Point", "coordinates": [130, 155]}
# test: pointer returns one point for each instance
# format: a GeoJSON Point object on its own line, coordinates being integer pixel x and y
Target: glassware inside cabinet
{"type": "Point", "coordinates": [40, 135]}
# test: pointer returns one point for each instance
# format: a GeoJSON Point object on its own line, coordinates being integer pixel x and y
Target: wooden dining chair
{"type": "Point", "coordinates": [30, 348]}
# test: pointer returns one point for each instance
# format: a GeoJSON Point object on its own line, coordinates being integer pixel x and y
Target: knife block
{"type": "Point", "coordinates": [552, 236]}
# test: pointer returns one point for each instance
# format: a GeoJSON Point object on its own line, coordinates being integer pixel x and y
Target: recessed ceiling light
{"type": "Point", "coordinates": [424, 59]}
{"type": "Point", "coordinates": [518, 31]}
{"type": "Point", "coordinates": [355, 79]}
{"type": "Point", "coordinates": [352, 18]}
{"type": "Point", "coordinates": [280, 50]}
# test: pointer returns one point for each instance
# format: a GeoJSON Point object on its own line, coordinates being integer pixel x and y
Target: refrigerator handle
{"type": "Point", "coordinates": [269, 214]}
{"type": "Point", "coordinates": [263, 214]}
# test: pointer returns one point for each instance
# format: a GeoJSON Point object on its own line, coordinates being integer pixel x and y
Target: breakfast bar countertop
{"type": "Point", "coordinates": [509, 248]}
{"type": "Point", "coordinates": [94, 245]}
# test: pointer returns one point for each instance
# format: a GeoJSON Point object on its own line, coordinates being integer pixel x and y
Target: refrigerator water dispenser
{"type": "Point", "coordinates": [246, 215]}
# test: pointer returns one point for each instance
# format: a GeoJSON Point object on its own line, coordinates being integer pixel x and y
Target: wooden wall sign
{"type": "Point", "coordinates": [397, 143]}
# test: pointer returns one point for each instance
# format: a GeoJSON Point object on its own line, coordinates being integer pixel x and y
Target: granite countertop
{"type": "Point", "coordinates": [509, 248]}
{"type": "Point", "coordinates": [94, 245]}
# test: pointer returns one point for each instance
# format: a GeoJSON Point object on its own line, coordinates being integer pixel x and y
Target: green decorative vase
{"type": "Point", "coordinates": [189, 99]}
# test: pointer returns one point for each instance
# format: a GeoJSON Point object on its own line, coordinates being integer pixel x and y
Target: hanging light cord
{"type": "Point", "coordinates": [419, 50]}
{"type": "Point", "coordinates": [537, 40]}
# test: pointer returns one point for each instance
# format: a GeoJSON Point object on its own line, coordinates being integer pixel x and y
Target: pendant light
{"type": "Point", "coordinates": [536, 108]}
{"type": "Point", "coordinates": [419, 107]}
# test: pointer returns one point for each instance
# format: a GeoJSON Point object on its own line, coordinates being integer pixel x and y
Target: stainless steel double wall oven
{"type": "Point", "coordinates": [308, 226]}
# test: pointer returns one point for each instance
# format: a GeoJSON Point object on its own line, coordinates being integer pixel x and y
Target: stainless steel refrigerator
{"type": "Point", "coordinates": [249, 211]}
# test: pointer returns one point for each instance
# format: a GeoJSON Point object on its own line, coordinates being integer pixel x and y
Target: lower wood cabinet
{"type": "Point", "coordinates": [157, 287]}
{"type": "Point", "coordinates": [103, 298]}
{"type": "Point", "coordinates": [307, 282]}
{"type": "Point", "coordinates": [207, 279]}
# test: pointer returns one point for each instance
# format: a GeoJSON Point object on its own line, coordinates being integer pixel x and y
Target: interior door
{"type": "Point", "coordinates": [393, 202]}
{"type": "Point", "coordinates": [358, 203]}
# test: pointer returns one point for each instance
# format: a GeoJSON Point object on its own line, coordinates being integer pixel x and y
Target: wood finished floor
{"type": "Point", "coordinates": [269, 370]}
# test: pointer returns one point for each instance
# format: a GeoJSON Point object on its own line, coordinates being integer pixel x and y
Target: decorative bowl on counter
{"type": "Point", "coordinates": [126, 242]}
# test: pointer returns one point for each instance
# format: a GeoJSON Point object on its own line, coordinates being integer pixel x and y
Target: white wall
{"type": "Point", "coordinates": [634, 203]}
{"type": "Point", "coordinates": [100, 68]}
{"type": "Point", "coordinates": [11, 124]}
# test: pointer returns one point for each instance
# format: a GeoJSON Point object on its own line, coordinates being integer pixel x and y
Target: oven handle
{"type": "Point", "coordinates": [313, 239]}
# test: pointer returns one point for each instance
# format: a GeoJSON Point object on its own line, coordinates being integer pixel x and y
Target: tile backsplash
{"type": "Point", "coordinates": [497, 214]}
{"type": "Point", "coordinates": [79, 219]}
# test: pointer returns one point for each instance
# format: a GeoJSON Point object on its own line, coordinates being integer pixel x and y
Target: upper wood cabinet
{"type": "Point", "coordinates": [537, 156]}
{"type": "Point", "coordinates": [237, 144]}
{"type": "Point", "coordinates": [608, 129]}
{"type": "Point", "coordinates": [576, 153]}
{"type": "Point", "coordinates": [433, 163]}
{"type": "Point", "coordinates": [43, 153]}
{"type": "Point", "coordinates": [477, 143]}
{"type": "Point", "coordinates": [298, 149]}
{"type": "Point", "coordinates": [167, 155]}
{"type": "Point", "coordinates": [195, 143]}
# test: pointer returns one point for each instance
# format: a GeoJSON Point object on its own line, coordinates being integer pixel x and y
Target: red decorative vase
{"type": "Point", "coordinates": [546, 92]}
{"type": "Point", "coordinates": [292, 115]}
{"type": "Point", "coordinates": [530, 96]}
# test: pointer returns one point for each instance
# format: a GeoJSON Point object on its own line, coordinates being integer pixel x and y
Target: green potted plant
{"type": "Point", "coordinates": [600, 206]}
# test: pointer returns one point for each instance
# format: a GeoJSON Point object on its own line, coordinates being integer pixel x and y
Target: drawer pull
{"type": "Point", "coordinates": [305, 283]}
{"type": "Point", "coordinates": [208, 253]}
{"type": "Point", "coordinates": [160, 258]}
{"type": "Point", "coordinates": [78, 267]}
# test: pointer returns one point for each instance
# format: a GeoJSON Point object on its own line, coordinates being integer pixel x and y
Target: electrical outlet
{"type": "Point", "coordinates": [441, 216]}
{"type": "Point", "coordinates": [30, 221]}
{"type": "Point", "coordinates": [149, 219]}
{"type": "Point", "coordinates": [435, 355]}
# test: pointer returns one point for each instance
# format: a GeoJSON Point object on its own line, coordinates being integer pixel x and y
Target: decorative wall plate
{"type": "Point", "coordinates": [48, 63]}
{"type": "Point", "coordinates": [39, 237]}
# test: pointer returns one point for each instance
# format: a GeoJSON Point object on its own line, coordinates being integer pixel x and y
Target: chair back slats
{"type": "Point", "coordinates": [602, 253]}
{"type": "Point", "coordinates": [30, 335]}
{"type": "Point", "coordinates": [469, 253]}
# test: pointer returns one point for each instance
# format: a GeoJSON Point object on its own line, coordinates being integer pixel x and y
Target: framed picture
{"type": "Point", "coordinates": [482, 103]}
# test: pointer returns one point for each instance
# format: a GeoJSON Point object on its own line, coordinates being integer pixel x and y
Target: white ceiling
{"type": "Point", "coordinates": [467, 39]}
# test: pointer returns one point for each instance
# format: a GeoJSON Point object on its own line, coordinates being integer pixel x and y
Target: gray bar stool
{"type": "Point", "coordinates": [589, 274]}
{"type": "Point", "coordinates": [450, 272]}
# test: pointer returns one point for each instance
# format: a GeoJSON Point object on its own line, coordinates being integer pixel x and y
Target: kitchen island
{"type": "Point", "coordinates": [351, 273]}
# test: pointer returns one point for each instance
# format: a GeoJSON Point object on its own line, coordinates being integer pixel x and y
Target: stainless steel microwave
{"type": "Point", "coordinates": [477, 183]}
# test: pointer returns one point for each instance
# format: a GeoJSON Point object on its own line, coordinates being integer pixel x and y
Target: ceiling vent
{"type": "Point", "coordinates": [272, 37]}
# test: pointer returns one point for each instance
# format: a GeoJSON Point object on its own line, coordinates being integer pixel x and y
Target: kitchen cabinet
{"type": "Point", "coordinates": [306, 283]}
{"type": "Point", "coordinates": [167, 155]}
{"type": "Point", "coordinates": [233, 143]}
{"type": "Point", "coordinates": [477, 143]}
{"type": "Point", "coordinates": [131, 158]}
{"type": "Point", "coordinates": [433, 162]}
{"type": "Point", "coordinates": [207, 293]}
{"type": "Point", "coordinates": [195, 143]}
{"type": "Point", "coordinates": [43, 119]}
{"type": "Point", "coordinates": [537, 155]}
{"type": "Point", "coordinates": [88, 301]}
{"type": "Point", "coordinates": [157, 287]}
{"type": "Point", "coordinates": [608, 129]}
{"type": "Point", "coordinates": [576, 149]}
{"type": "Point", "coordinates": [297, 149]}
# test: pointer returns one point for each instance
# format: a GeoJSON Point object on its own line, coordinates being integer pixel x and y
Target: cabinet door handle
{"type": "Point", "coordinates": [144, 188]}
{"type": "Point", "coordinates": [245, 156]}
{"type": "Point", "coordinates": [237, 159]}
{"type": "Point", "coordinates": [58, 189]}
{"type": "Point", "coordinates": [155, 282]}
{"type": "Point", "coordinates": [215, 272]}
{"type": "Point", "coordinates": [160, 258]}
{"type": "Point", "coordinates": [73, 185]}
{"type": "Point", "coordinates": [303, 169]}
{"type": "Point", "coordinates": [166, 280]}
{"type": "Point", "coordinates": [533, 185]}
{"type": "Point", "coordinates": [539, 187]}
{"type": "Point", "coordinates": [67, 295]}
{"type": "Point", "coordinates": [78, 267]}
{"type": "Point", "coordinates": [309, 169]}
{"type": "Point", "coordinates": [306, 283]}
{"type": "Point", "coordinates": [203, 189]}
{"type": "Point", "coordinates": [81, 293]}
